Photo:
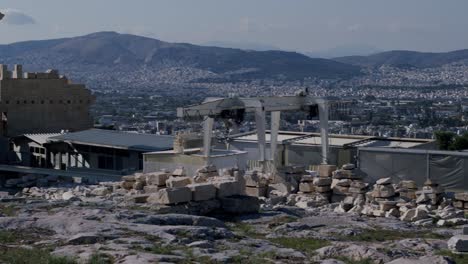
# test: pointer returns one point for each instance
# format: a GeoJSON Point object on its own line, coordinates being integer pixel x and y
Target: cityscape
{"type": "Point", "coordinates": [233, 132]}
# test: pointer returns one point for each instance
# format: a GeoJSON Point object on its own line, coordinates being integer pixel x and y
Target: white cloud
{"type": "Point", "coordinates": [17, 17]}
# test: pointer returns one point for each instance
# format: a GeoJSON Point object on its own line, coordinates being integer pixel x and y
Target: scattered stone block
{"type": "Point", "coordinates": [384, 181]}
{"type": "Point", "coordinates": [139, 198]}
{"type": "Point", "coordinates": [152, 188]}
{"type": "Point", "coordinates": [175, 182]}
{"type": "Point", "coordinates": [100, 191]}
{"type": "Point", "coordinates": [383, 191]}
{"type": "Point", "coordinates": [461, 196]}
{"type": "Point", "coordinates": [227, 188]}
{"type": "Point", "coordinates": [322, 181]}
{"type": "Point", "coordinates": [342, 174]}
{"type": "Point", "coordinates": [256, 191]}
{"type": "Point", "coordinates": [306, 187]}
{"type": "Point", "coordinates": [322, 189]}
{"type": "Point", "coordinates": [157, 178]}
{"type": "Point", "coordinates": [348, 166]}
{"type": "Point", "coordinates": [281, 187]}
{"type": "Point", "coordinates": [408, 185]}
{"type": "Point", "coordinates": [128, 178]}
{"type": "Point", "coordinates": [171, 196]}
{"type": "Point", "coordinates": [202, 191]}
{"type": "Point", "coordinates": [326, 170]}
{"type": "Point", "coordinates": [178, 172]}
{"type": "Point", "coordinates": [127, 185]}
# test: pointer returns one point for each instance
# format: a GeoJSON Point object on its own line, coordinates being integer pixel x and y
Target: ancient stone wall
{"type": "Point", "coordinates": [42, 102]}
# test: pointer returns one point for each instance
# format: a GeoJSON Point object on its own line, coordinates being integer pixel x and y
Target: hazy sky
{"type": "Point", "coordinates": [302, 25]}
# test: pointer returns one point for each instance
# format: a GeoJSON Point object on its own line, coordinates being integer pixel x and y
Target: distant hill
{"type": "Point", "coordinates": [344, 50]}
{"type": "Point", "coordinates": [112, 55]}
{"type": "Point", "coordinates": [402, 58]}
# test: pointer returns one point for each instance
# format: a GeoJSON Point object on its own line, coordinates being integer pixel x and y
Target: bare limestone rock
{"type": "Point", "coordinates": [100, 191]}
{"type": "Point", "coordinates": [240, 204]}
{"type": "Point", "coordinates": [171, 196]}
{"type": "Point", "coordinates": [458, 243]}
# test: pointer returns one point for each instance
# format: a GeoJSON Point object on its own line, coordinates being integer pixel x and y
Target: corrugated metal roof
{"type": "Point", "coordinates": [41, 138]}
{"type": "Point", "coordinates": [117, 139]}
{"type": "Point", "coordinates": [338, 140]}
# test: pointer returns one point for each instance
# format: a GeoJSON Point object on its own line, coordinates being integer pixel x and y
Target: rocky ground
{"type": "Point", "coordinates": [85, 225]}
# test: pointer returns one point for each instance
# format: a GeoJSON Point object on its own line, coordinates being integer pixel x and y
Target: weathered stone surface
{"type": "Point", "coordinates": [128, 178]}
{"type": "Point", "coordinates": [387, 205]}
{"type": "Point", "coordinates": [423, 260]}
{"type": "Point", "coordinates": [152, 188]}
{"type": "Point", "coordinates": [322, 189]}
{"type": "Point", "coordinates": [348, 166]}
{"type": "Point", "coordinates": [341, 190]}
{"type": "Point", "coordinates": [138, 185]}
{"type": "Point", "coordinates": [383, 191]}
{"type": "Point", "coordinates": [254, 180]}
{"type": "Point", "coordinates": [139, 198]}
{"type": "Point", "coordinates": [100, 191]}
{"type": "Point", "coordinates": [171, 196]}
{"type": "Point", "coordinates": [227, 188]}
{"type": "Point", "coordinates": [408, 185]}
{"type": "Point", "coordinates": [175, 182]}
{"type": "Point", "coordinates": [458, 243]}
{"type": "Point", "coordinates": [462, 196]}
{"type": "Point", "coordinates": [384, 181]}
{"type": "Point", "coordinates": [67, 196]}
{"type": "Point", "coordinates": [127, 185]}
{"type": "Point", "coordinates": [202, 191]}
{"type": "Point", "coordinates": [179, 172]}
{"type": "Point", "coordinates": [342, 174]}
{"type": "Point", "coordinates": [85, 238]}
{"type": "Point", "coordinates": [256, 191]}
{"type": "Point", "coordinates": [322, 181]}
{"type": "Point", "coordinates": [240, 204]}
{"type": "Point", "coordinates": [157, 178]}
{"type": "Point", "coordinates": [281, 187]}
{"type": "Point", "coordinates": [413, 215]}
{"type": "Point", "coordinates": [326, 170]}
{"type": "Point", "coordinates": [306, 187]}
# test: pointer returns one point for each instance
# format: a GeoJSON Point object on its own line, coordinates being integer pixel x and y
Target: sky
{"type": "Point", "coordinates": [299, 25]}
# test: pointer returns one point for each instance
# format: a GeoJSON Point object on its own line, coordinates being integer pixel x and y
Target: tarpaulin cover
{"type": "Point", "coordinates": [449, 169]}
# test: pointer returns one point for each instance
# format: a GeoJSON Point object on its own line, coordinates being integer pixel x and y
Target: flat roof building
{"type": "Point", "coordinates": [299, 148]}
{"type": "Point", "coordinates": [98, 150]}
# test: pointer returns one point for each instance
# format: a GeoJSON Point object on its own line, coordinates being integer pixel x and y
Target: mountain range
{"type": "Point", "coordinates": [405, 59]}
{"type": "Point", "coordinates": [113, 60]}
{"type": "Point", "coordinates": [110, 49]}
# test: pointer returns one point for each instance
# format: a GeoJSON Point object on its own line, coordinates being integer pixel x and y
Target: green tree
{"type": "Point", "coordinates": [444, 139]}
{"type": "Point", "coordinates": [460, 142]}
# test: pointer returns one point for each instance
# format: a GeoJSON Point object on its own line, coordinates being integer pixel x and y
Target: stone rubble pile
{"type": "Point", "coordinates": [167, 188]}
{"type": "Point", "coordinates": [431, 193]}
{"type": "Point", "coordinates": [207, 190]}
{"type": "Point", "coordinates": [427, 207]}
{"type": "Point", "coordinates": [461, 201]}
